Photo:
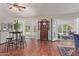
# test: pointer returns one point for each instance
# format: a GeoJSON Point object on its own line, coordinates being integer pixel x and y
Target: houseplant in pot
{"type": "Point", "coordinates": [16, 25]}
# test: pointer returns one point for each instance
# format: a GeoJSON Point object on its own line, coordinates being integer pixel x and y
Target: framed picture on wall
{"type": "Point", "coordinates": [27, 28]}
{"type": "Point", "coordinates": [10, 26]}
{"type": "Point", "coordinates": [4, 27]}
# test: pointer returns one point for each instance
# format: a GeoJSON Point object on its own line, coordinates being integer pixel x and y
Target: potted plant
{"type": "Point", "coordinates": [16, 25]}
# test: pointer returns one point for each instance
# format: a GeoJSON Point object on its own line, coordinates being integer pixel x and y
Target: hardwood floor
{"type": "Point", "coordinates": [35, 48]}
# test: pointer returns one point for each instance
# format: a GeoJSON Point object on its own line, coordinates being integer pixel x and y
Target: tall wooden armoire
{"type": "Point", "coordinates": [43, 27]}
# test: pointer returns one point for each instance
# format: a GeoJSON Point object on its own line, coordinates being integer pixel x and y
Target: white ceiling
{"type": "Point", "coordinates": [42, 9]}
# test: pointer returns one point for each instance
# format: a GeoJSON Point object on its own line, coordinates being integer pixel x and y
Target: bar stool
{"type": "Point", "coordinates": [9, 44]}
{"type": "Point", "coordinates": [22, 41]}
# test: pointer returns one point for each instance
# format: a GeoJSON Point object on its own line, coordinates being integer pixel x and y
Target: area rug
{"type": "Point", "coordinates": [76, 53]}
{"type": "Point", "coordinates": [66, 51]}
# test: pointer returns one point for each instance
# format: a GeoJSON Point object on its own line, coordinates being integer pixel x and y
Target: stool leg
{"type": "Point", "coordinates": [21, 45]}
{"type": "Point", "coordinates": [7, 48]}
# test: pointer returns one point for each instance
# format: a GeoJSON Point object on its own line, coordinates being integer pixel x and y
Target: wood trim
{"type": "Point", "coordinates": [51, 29]}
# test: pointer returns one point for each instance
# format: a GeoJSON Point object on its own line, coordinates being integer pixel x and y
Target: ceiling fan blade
{"type": "Point", "coordinates": [16, 5]}
{"type": "Point", "coordinates": [10, 7]}
{"type": "Point", "coordinates": [21, 7]}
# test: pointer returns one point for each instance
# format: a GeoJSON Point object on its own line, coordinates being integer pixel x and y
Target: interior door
{"type": "Point", "coordinates": [44, 29]}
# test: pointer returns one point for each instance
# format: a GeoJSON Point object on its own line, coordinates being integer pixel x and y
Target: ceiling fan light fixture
{"type": "Point", "coordinates": [13, 9]}
{"type": "Point", "coordinates": [17, 7]}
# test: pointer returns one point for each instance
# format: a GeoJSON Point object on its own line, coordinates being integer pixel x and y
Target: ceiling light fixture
{"type": "Point", "coordinates": [16, 7]}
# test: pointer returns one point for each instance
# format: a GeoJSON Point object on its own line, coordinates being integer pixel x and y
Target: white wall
{"type": "Point", "coordinates": [33, 21]}
{"type": "Point", "coordinates": [4, 34]}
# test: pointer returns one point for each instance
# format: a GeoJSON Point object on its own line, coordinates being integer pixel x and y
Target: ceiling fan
{"type": "Point", "coordinates": [17, 6]}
